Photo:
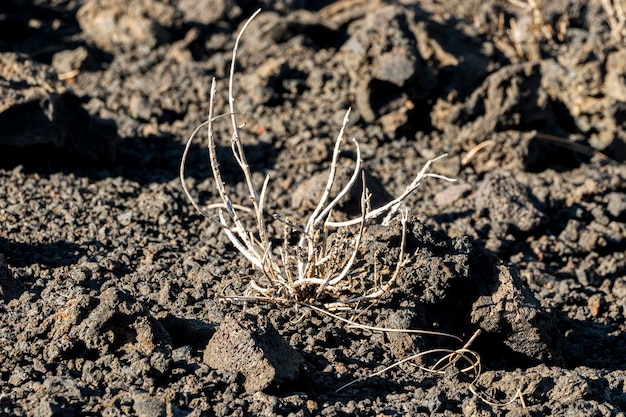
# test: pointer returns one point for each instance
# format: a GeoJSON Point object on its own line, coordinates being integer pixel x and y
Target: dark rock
{"type": "Point", "coordinates": [449, 280]}
{"type": "Point", "coordinates": [510, 98]}
{"type": "Point", "coordinates": [207, 12]}
{"type": "Point", "coordinates": [118, 25]}
{"type": "Point", "coordinates": [37, 110]}
{"type": "Point", "coordinates": [385, 67]}
{"type": "Point", "coordinates": [509, 204]}
{"type": "Point", "coordinates": [506, 308]}
{"type": "Point", "coordinates": [146, 405]}
{"type": "Point", "coordinates": [251, 346]}
{"type": "Point", "coordinates": [119, 323]}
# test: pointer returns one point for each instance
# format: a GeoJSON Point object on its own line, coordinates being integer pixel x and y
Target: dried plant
{"type": "Point", "coordinates": [437, 360]}
{"type": "Point", "coordinates": [316, 269]}
{"type": "Point", "coordinates": [616, 18]}
{"type": "Point", "coordinates": [536, 30]}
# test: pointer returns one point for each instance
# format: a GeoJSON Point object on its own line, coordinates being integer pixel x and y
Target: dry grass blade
{"type": "Point", "coordinates": [492, 402]}
{"type": "Point", "coordinates": [355, 325]}
{"type": "Point", "coordinates": [616, 18]}
{"type": "Point", "coordinates": [558, 141]}
{"type": "Point", "coordinates": [449, 358]}
{"type": "Point", "coordinates": [576, 147]}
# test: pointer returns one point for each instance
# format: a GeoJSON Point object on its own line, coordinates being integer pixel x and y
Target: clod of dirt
{"type": "Point", "coordinates": [72, 60]}
{"type": "Point", "coordinates": [251, 346]}
{"type": "Point", "coordinates": [36, 110]}
{"type": "Point", "coordinates": [590, 85]}
{"type": "Point", "coordinates": [386, 70]}
{"type": "Point", "coordinates": [147, 406]}
{"type": "Point", "coordinates": [116, 25]}
{"type": "Point", "coordinates": [508, 98]}
{"type": "Point", "coordinates": [616, 205]}
{"type": "Point", "coordinates": [343, 12]}
{"type": "Point", "coordinates": [615, 84]}
{"type": "Point", "coordinates": [118, 323]}
{"type": "Point", "coordinates": [506, 307]}
{"type": "Point", "coordinates": [452, 193]}
{"type": "Point", "coordinates": [449, 281]}
{"type": "Point", "coordinates": [207, 12]}
{"type": "Point", "coordinates": [271, 28]}
{"type": "Point", "coordinates": [508, 203]}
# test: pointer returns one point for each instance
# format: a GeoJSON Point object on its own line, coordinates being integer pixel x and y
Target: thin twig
{"type": "Point", "coordinates": [395, 203]}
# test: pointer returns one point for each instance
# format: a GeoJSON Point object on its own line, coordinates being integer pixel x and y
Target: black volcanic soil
{"type": "Point", "coordinates": [111, 285]}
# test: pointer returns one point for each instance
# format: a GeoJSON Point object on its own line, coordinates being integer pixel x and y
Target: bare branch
{"type": "Point", "coordinates": [395, 203]}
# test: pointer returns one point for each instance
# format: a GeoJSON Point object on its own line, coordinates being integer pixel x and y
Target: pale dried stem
{"type": "Point", "coordinates": [538, 28]}
{"type": "Point", "coordinates": [322, 211]}
{"type": "Point", "coordinates": [331, 176]}
{"type": "Point", "coordinates": [239, 153]}
{"type": "Point", "coordinates": [191, 199]}
{"type": "Point", "coordinates": [392, 206]}
{"type": "Point", "coordinates": [469, 356]}
{"type": "Point", "coordinates": [332, 281]}
{"type": "Point", "coordinates": [317, 217]}
{"type": "Point", "coordinates": [242, 240]}
{"type": "Point", "coordinates": [616, 18]}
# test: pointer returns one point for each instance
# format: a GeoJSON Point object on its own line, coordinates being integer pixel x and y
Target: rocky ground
{"type": "Point", "coordinates": [112, 286]}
